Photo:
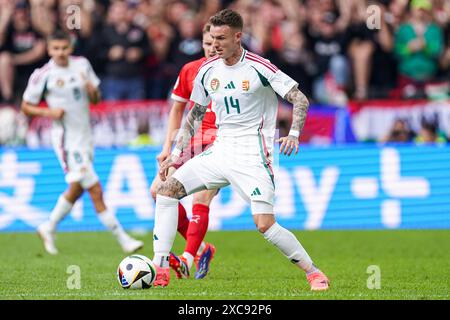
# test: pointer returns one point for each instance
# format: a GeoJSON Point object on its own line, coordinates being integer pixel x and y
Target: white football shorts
{"type": "Point", "coordinates": [250, 174]}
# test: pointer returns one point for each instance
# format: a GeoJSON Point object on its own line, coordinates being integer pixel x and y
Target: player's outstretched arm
{"type": "Point", "coordinates": [32, 110]}
{"type": "Point", "coordinates": [299, 112]}
{"type": "Point", "coordinates": [188, 130]}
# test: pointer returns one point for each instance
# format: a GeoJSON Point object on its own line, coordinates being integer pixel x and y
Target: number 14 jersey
{"type": "Point", "coordinates": [243, 96]}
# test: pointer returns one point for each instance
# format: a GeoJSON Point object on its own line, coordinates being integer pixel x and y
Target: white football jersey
{"type": "Point", "coordinates": [243, 97]}
{"type": "Point", "coordinates": [64, 87]}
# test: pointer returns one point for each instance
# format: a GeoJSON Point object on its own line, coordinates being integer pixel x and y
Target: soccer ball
{"type": "Point", "coordinates": [136, 272]}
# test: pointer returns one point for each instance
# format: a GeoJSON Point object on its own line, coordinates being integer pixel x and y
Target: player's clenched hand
{"type": "Point", "coordinates": [166, 164]}
{"type": "Point", "coordinates": [56, 113]}
{"type": "Point", "coordinates": [288, 144]}
{"type": "Point", "coordinates": [88, 84]}
{"type": "Point", "coordinates": [163, 156]}
{"type": "Point", "coordinates": [91, 89]}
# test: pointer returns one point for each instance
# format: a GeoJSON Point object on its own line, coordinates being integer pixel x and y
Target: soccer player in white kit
{"type": "Point", "coordinates": [68, 84]}
{"type": "Point", "coordinates": [242, 87]}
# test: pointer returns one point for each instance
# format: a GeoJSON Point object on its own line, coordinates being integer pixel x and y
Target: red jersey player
{"type": "Point", "coordinates": [193, 231]}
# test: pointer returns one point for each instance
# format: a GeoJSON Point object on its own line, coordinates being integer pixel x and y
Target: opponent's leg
{"type": "Point", "coordinates": [65, 202]}
{"type": "Point", "coordinates": [109, 220]}
{"type": "Point", "coordinates": [196, 249]}
{"type": "Point", "coordinates": [288, 244]}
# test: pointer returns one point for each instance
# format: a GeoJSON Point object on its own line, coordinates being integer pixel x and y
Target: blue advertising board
{"type": "Point", "coordinates": [361, 186]}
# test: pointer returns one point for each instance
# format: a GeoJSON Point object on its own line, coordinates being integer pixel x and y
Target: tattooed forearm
{"type": "Point", "coordinates": [301, 104]}
{"type": "Point", "coordinates": [190, 127]}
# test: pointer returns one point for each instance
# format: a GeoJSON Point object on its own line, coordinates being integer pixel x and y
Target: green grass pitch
{"type": "Point", "coordinates": [413, 265]}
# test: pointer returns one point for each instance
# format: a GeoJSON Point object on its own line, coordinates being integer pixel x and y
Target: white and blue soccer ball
{"type": "Point", "coordinates": [136, 272]}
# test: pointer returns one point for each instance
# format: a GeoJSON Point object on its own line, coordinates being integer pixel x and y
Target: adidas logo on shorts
{"type": "Point", "coordinates": [256, 192]}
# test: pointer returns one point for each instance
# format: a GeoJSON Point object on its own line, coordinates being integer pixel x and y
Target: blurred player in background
{"type": "Point", "coordinates": [241, 87]}
{"type": "Point", "coordinates": [68, 84]}
{"type": "Point", "coordinates": [196, 250]}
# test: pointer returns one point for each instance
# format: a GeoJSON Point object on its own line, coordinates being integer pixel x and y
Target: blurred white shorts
{"type": "Point", "coordinates": [78, 166]}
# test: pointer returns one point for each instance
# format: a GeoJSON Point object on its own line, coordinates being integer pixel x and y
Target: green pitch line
{"type": "Point", "coordinates": [413, 265]}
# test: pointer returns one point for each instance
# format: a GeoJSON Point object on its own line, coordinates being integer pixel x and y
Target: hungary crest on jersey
{"type": "Point", "coordinates": [245, 85]}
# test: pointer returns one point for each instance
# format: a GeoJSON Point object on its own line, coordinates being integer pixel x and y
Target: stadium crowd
{"type": "Point", "coordinates": [338, 50]}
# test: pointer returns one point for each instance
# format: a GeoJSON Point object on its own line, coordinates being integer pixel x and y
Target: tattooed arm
{"type": "Point", "coordinates": [188, 130]}
{"type": "Point", "coordinates": [300, 110]}
{"type": "Point", "coordinates": [301, 105]}
{"type": "Point", "coordinates": [193, 121]}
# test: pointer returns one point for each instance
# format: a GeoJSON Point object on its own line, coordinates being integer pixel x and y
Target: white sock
{"type": "Point", "coordinates": [288, 244]}
{"type": "Point", "coordinates": [61, 209]}
{"type": "Point", "coordinates": [201, 248]}
{"type": "Point", "coordinates": [189, 259]}
{"type": "Point", "coordinates": [109, 220]}
{"type": "Point", "coordinates": [165, 229]}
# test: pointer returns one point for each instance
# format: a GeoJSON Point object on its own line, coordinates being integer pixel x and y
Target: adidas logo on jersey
{"type": "Point", "coordinates": [256, 192]}
{"type": "Point", "coordinates": [230, 86]}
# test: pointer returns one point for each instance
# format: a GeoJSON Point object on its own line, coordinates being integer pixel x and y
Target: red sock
{"type": "Point", "coordinates": [183, 221]}
{"type": "Point", "coordinates": [197, 228]}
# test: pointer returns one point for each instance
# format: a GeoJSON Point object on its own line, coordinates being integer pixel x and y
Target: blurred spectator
{"type": "Point", "coordinates": [256, 35]}
{"type": "Point", "coordinates": [329, 46]}
{"type": "Point", "coordinates": [143, 138]}
{"type": "Point", "coordinates": [445, 58]}
{"type": "Point", "coordinates": [283, 125]}
{"type": "Point", "coordinates": [21, 51]}
{"type": "Point", "coordinates": [384, 64]}
{"type": "Point", "coordinates": [429, 133]}
{"type": "Point", "coordinates": [187, 43]}
{"type": "Point", "coordinates": [293, 56]}
{"type": "Point", "coordinates": [400, 132]}
{"type": "Point", "coordinates": [174, 12]}
{"type": "Point", "coordinates": [124, 48]}
{"type": "Point", "coordinates": [373, 64]}
{"type": "Point", "coordinates": [262, 25]}
{"type": "Point", "coordinates": [418, 45]}
{"type": "Point", "coordinates": [151, 16]}
{"type": "Point", "coordinates": [81, 34]}
{"type": "Point", "coordinates": [326, 45]}
{"type": "Point", "coordinates": [441, 12]}
{"type": "Point", "coordinates": [43, 15]}
{"type": "Point", "coordinates": [361, 49]}
{"type": "Point", "coordinates": [207, 9]}
{"type": "Point", "coordinates": [93, 49]}
{"type": "Point", "coordinates": [444, 14]}
{"type": "Point", "coordinates": [159, 71]}
{"type": "Point", "coordinates": [13, 127]}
